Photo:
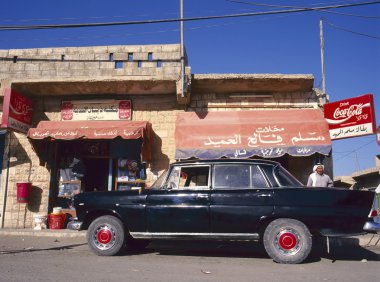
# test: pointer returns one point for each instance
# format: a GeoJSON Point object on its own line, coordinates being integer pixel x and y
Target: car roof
{"type": "Point", "coordinates": [230, 161]}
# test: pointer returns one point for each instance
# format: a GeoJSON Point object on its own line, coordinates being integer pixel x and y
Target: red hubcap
{"type": "Point", "coordinates": [104, 236]}
{"type": "Point", "coordinates": [287, 241]}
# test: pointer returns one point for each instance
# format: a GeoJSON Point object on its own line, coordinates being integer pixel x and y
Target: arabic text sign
{"type": "Point", "coordinates": [96, 110]}
{"type": "Point", "coordinates": [351, 117]}
{"type": "Point", "coordinates": [266, 137]}
{"type": "Point", "coordinates": [17, 111]}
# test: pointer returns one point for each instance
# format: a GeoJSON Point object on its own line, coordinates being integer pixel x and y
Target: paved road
{"type": "Point", "coordinates": [28, 258]}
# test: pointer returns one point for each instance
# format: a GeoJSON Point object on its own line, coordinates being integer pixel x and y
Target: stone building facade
{"type": "Point", "coordinates": [147, 75]}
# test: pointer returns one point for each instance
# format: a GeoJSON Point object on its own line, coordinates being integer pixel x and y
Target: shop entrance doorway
{"type": "Point", "coordinates": [96, 178]}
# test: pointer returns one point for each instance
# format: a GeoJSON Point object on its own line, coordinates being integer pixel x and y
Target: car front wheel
{"type": "Point", "coordinates": [287, 241]}
{"type": "Point", "coordinates": [106, 236]}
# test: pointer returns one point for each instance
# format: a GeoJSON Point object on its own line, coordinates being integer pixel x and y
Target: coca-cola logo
{"type": "Point", "coordinates": [67, 110]}
{"type": "Point", "coordinates": [341, 114]}
{"type": "Point", "coordinates": [124, 110]}
{"type": "Point", "coordinates": [20, 108]}
{"type": "Point", "coordinates": [353, 110]}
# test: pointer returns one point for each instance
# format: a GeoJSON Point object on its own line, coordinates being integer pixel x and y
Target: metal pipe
{"type": "Point", "coordinates": [182, 50]}
{"type": "Point", "coordinates": [322, 44]}
{"type": "Point", "coordinates": [6, 182]}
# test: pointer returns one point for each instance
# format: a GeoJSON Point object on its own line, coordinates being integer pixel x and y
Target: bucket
{"type": "Point", "coordinates": [22, 191]}
{"type": "Point", "coordinates": [56, 221]}
{"type": "Point", "coordinates": [57, 210]}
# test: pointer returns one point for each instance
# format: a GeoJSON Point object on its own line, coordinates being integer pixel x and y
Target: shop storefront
{"type": "Point", "coordinates": [86, 156]}
{"type": "Point", "coordinates": [276, 134]}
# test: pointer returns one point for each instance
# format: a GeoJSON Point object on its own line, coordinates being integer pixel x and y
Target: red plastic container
{"type": "Point", "coordinates": [56, 221]}
{"type": "Point", "coordinates": [22, 191]}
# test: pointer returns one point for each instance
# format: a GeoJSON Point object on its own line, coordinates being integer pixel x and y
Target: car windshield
{"type": "Point", "coordinates": [160, 180]}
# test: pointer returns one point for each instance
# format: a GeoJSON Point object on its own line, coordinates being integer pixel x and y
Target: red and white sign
{"type": "Point", "coordinates": [17, 111]}
{"type": "Point", "coordinates": [378, 135]}
{"type": "Point", "coordinates": [96, 110]}
{"type": "Point", "coordinates": [351, 118]}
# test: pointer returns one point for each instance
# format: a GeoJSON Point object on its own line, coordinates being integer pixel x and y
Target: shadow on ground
{"type": "Point", "coordinates": [32, 249]}
{"type": "Point", "coordinates": [253, 250]}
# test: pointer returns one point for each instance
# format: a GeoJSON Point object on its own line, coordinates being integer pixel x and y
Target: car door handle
{"type": "Point", "coordinates": [264, 195]}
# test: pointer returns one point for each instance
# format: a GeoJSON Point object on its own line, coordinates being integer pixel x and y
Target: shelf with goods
{"type": "Point", "coordinates": [69, 188]}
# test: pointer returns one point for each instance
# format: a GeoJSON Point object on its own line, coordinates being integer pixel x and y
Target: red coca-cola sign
{"type": "Point", "coordinates": [125, 109]}
{"type": "Point", "coordinates": [351, 117]}
{"type": "Point", "coordinates": [67, 110]}
{"type": "Point", "coordinates": [17, 111]}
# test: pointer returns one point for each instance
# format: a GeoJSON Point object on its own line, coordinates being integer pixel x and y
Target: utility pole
{"type": "Point", "coordinates": [322, 43]}
{"type": "Point", "coordinates": [182, 50]}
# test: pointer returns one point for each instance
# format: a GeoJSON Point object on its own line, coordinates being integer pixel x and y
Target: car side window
{"type": "Point", "coordinates": [194, 177]}
{"type": "Point", "coordinates": [232, 176]}
{"type": "Point", "coordinates": [258, 179]}
{"type": "Point", "coordinates": [268, 170]}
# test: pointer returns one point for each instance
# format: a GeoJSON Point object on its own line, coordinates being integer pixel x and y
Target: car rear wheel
{"type": "Point", "coordinates": [105, 236]}
{"type": "Point", "coordinates": [287, 241]}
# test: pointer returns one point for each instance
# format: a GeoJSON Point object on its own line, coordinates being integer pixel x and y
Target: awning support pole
{"type": "Point", "coordinates": [182, 51]}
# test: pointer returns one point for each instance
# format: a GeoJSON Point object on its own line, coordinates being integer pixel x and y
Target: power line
{"type": "Point", "coordinates": [351, 31]}
{"type": "Point", "coordinates": [108, 35]}
{"type": "Point", "coordinates": [33, 27]}
{"type": "Point", "coordinates": [353, 151]}
{"type": "Point", "coordinates": [298, 7]}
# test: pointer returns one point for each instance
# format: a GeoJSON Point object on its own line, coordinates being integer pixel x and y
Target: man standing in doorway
{"type": "Point", "coordinates": [318, 178]}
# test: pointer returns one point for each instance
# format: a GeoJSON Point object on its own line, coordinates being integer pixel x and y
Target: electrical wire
{"type": "Point", "coordinates": [60, 26]}
{"type": "Point", "coordinates": [140, 33]}
{"type": "Point", "coordinates": [299, 7]}
{"type": "Point", "coordinates": [353, 151]}
{"type": "Point", "coordinates": [351, 31]}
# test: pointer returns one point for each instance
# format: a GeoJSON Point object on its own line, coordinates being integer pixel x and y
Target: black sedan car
{"type": "Point", "coordinates": [223, 200]}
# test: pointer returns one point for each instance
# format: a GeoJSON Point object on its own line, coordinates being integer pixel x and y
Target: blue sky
{"type": "Point", "coordinates": [285, 43]}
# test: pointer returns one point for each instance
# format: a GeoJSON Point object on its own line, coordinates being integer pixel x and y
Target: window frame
{"type": "Point", "coordinates": [250, 165]}
{"type": "Point", "coordinates": [183, 188]}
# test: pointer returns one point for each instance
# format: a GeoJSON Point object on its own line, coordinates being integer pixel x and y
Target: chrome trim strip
{"type": "Point", "coordinates": [168, 235]}
{"type": "Point", "coordinates": [371, 226]}
{"type": "Point", "coordinates": [179, 206]}
{"type": "Point", "coordinates": [74, 225]}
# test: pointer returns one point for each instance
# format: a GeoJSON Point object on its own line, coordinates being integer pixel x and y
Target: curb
{"type": "Point", "coordinates": [58, 233]}
{"type": "Point", "coordinates": [366, 240]}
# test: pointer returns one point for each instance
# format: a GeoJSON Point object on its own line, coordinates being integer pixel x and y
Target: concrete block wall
{"type": "Point", "coordinates": [23, 167]}
{"type": "Point", "coordinates": [222, 102]}
{"type": "Point", "coordinates": [99, 61]}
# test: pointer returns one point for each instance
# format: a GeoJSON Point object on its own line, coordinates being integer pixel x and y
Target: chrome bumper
{"type": "Point", "coordinates": [372, 227]}
{"type": "Point", "coordinates": [74, 224]}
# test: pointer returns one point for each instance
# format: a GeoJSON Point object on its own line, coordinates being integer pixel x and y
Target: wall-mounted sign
{"type": "Point", "coordinates": [17, 111]}
{"type": "Point", "coordinates": [351, 117]}
{"type": "Point", "coordinates": [96, 110]}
